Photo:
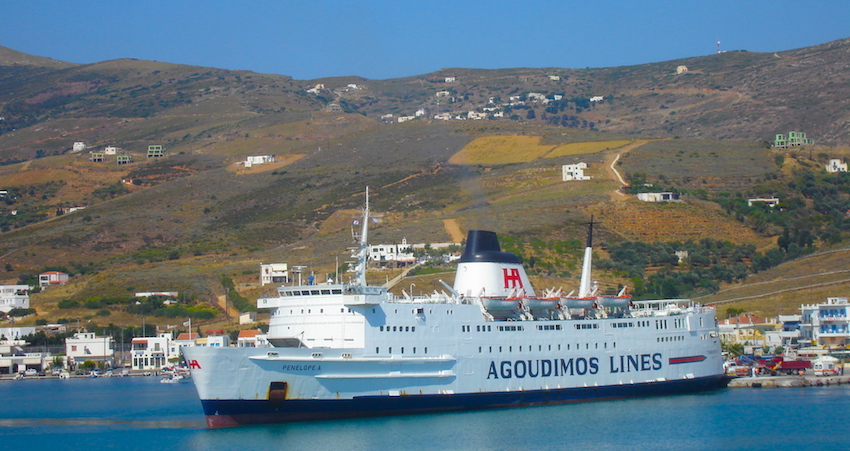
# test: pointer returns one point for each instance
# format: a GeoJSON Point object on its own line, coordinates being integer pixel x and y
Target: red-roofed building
{"type": "Point", "coordinates": [183, 339]}
{"type": "Point", "coordinates": [250, 338]}
{"type": "Point", "coordinates": [49, 278]}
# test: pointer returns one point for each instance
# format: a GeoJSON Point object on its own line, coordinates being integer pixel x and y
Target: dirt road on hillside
{"type": "Point", "coordinates": [611, 166]}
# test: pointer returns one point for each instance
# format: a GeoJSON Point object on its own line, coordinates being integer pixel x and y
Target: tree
{"type": "Point", "coordinates": [530, 114]}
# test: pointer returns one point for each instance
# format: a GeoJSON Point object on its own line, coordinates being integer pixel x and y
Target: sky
{"type": "Point", "coordinates": [382, 39]}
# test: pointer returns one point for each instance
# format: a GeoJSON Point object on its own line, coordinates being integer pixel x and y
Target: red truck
{"type": "Point", "coordinates": [780, 365]}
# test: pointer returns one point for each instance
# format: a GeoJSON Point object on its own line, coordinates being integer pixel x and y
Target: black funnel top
{"type": "Point", "coordinates": [483, 246]}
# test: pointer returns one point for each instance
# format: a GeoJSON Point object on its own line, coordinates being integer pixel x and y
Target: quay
{"type": "Point", "coordinates": [787, 381]}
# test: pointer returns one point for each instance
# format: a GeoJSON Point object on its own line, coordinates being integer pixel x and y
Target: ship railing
{"type": "Point", "coordinates": [435, 298]}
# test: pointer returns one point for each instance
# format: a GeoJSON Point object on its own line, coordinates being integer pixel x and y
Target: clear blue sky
{"type": "Point", "coordinates": [389, 39]}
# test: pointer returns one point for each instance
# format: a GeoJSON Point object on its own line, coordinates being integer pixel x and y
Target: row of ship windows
{"type": "Point", "coordinates": [311, 292]}
{"type": "Point", "coordinates": [321, 310]}
{"type": "Point", "coordinates": [670, 338]}
{"type": "Point", "coordinates": [568, 347]}
{"type": "Point", "coordinates": [390, 350]}
{"type": "Point", "coordinates": [518, 328]}
{"type": "Point", "coordinates": [398, 328]}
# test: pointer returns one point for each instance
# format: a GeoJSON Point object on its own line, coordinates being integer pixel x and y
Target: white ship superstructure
{"type": "Point", "coordinates": [350, 350]}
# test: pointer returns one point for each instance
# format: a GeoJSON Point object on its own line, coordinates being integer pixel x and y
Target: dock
{"type": "Point", "coordinates": [787, 381]}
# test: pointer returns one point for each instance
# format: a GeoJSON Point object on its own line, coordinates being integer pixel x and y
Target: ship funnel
{"type": "Point", "coordinates": [484, 269]}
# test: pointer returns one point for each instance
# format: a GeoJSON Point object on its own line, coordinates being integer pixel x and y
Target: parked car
{"type": "Point", "coordinates": [31, 372]}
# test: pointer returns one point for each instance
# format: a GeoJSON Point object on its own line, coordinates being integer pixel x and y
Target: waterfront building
{"type": "Point", "coordinates": [826, 324]}
{"type": "Point", "coordinates": [249, 338]}
{"type": "Point", "coordinates": [87, 346]}
{"type": "Point", "coordinates": [151, 353]}
{"type": "Point", "coordinates": [14, 360]}
{"type": "Point", "coordinates": [185, 339]}
{"type": "Point", "coordinates": [746, 329]}
{"type": "Point", "coordinates": [787, 335]}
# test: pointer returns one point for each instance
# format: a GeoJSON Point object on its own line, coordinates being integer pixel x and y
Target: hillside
{"type": "Point", "coordinates": [179, 222]}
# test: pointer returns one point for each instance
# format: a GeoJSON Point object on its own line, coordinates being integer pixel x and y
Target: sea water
{"type": "Point", "coordinates": [142, 413]}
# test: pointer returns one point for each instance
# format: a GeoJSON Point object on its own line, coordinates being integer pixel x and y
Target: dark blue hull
{"type": "Point", "coordinates": [221, 413]}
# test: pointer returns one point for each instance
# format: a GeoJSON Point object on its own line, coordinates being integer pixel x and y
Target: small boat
{"type": "Point", "coordinates": [499, 303]}
{"type": "Point", "coordinates": [575, 302]}
{"type": "Point", "coordinates": [622, 299]}
{"type": "Point", "coordinates": [535, 303]}
{"type": "Point", "coordinates": [173, 379]}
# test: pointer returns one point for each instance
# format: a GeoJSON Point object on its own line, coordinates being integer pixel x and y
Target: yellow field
{"type": "Point", "coordinates": [585, 148]}
{"type": "Point", "coordinates": [508, 149]}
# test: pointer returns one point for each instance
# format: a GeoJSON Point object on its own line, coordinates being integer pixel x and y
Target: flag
{"type": "Point", "coordinates": [188, 323]}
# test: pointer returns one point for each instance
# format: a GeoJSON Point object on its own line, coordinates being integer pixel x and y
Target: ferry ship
{"type": "Point", "coordinates": [343, 350]}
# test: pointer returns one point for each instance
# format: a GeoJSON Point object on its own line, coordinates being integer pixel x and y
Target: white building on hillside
{"type": "Point", "coordinates": [659, 197]}
{"type": "Point", "coordinates": [574, 172]}
{"type": "Point", "coordinates": [387, 254]}
{"type": "Point", "coordinates": [258, 159]}
{"type": "Point", "coordinates": [50, 278]}
{"type": "Point", "coordinates": [87, 346]}
{"type": "Point", "coordinates": [835, 165]}
{"type": "Point", "coordinates": [14, 296]}
{"type": "Point", "coordinates": [273, 273]}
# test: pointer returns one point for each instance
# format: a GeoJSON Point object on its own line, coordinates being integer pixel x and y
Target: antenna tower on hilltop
{"type": "Point", "coordinates": [718, 46]}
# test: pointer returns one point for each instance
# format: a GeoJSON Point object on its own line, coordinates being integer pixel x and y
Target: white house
{"type": "Point", "coordinates": [770, 202]}
{"type": "Point", "coordinates": [658, 197]}
{"type": "Point", "coordinates": [597, 99]}
{"type": "Point", "coordinates": [835, 165]}
{"type": "Point", "coordinates": [442, 94]}
{"type": "Point", "coordinates": [218, 341]}
{"type": "Point", "coordinates": [450, 79]}
{"type": "Point", "coordinates": [151, 353]}
{"type": "Point", "coordinates": [49, 278]}
{"type": "Point", "coordinates": [554, 77]}
{"type": "Point", "coordinates": [87, 346]}
{"type": "Point", "coordinates": [681, 70]}
{"type": "Point", "coordinates": [14, 296]}
{"type": "Point", "coordinates": [79, 146]}
{"type": "Point", "coordinates": [247, 317]}
{"type": "Point", "coordinates": [273, 273]}
{"type": "Point", "coordinates": [110, 150]}
{"type": "Point", "coordinates": [259, 159]}
{"type": "Point", "coordinates": [398, 254]}
{"type": "Point", "coordinates": [15, 333]}
{"type": "Point", "coordinates": [574, 172]}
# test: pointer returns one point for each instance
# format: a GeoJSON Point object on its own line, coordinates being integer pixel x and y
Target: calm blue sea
{"type": "Point", "coordinates": [141, 413]}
